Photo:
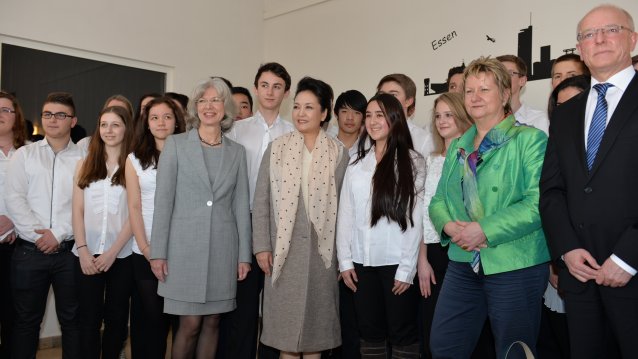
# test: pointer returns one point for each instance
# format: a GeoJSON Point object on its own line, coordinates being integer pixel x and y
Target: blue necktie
{"type": "Point", "coordinates": [598, 123]}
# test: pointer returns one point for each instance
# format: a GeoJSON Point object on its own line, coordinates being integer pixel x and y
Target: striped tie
{"type": "Point", "coordinates": [598, 123]}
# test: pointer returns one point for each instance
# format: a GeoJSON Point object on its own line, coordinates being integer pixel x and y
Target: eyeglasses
{"type": "Point", "coordinates": [212, 101]}
{"type": "Point", "coordinates": [6, 110]}
{"type": "Point", "coordinates": [58, 115]}
{"type": "Point", "coordinates": [609, 31]}
{"type": "Point", "coordinates": [512, 73]}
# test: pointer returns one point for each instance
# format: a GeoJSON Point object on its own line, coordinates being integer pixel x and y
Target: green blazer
{"type": "Point", "coordinates": [507, 181]}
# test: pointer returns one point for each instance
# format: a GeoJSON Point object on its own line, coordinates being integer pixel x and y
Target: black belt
{"type": "Point", "coordinates": [65, 246]}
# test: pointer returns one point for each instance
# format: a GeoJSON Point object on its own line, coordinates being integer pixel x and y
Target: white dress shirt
{"type": "Point", "coordinates": [421, 139]}
{"type": "Point", "coordinates": [352, 151]}
{"type": "Point", "coordinates": [39, 189]}
{"type": "Point", "coordinates": [385, 243]}
{"type": "Point", "coordinates": [433, 170]}
{"type": "Point", "coordinates": [105, 213]}
{"type": "Point", "coordinates": [147, 182]}
{"type": "Point", "coordinates": [254, 134]}
{"type": "Point", "coordinates": [4, 165]}
{"type": "Point", "coordinates": [620, 81]}
{"type": "Point", "coordinates": [533, 117]}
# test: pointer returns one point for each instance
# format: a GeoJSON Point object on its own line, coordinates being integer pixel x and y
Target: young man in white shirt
{"type": "Point", "coordinates": [523, 113]}
{"type": "Point", "coordinates": [403, 88]}
{"type": "Point", "coordinates": [272, 86]}
{"type": "Point", "coordinates": [39, 186]}
{"type": "Point", "coordinates": [350, 107]}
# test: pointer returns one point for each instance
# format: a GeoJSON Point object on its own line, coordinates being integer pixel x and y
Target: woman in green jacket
{"type": "Point", "coordinates": [486, 209]}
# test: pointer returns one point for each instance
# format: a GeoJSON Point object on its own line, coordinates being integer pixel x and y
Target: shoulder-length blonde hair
{"type": "Point", "coordinates": [462, 120]}
{"type": "Point", "coordinates": [222, 91]}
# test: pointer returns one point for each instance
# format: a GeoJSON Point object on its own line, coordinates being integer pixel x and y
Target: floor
{"type": "Point", "coordinates": [56, 353]}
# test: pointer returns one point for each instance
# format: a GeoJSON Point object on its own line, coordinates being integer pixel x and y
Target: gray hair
{"type": "Point", "coordinates": [222, 91]}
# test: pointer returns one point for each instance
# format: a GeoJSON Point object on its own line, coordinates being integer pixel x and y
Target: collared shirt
{"type": "Point", "coordinates": [4, 164]}
{"type": "Point", "coordinates": [254, 134]}
{"type": "Point", "coordinates": [620, 81]}
{"type": "Point", "coordinates": [533, 117]}
{"type": "Point", "coordinates": [39, 188]}
{"type": "Point", "coordinates": [352, 151]}
{"type": "Point", "coordinates": [385, 243]}
{"type": "Point", "coordinates": [105, 213]}
{"type": "Point", "coordinates": [421, 139]}
{"type": "Point", "coordinates": [433, 170]}
{"type": "Point", "coordinates": [147, 182]}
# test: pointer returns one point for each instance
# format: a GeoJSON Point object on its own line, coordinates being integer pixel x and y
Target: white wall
{"type": "Point", "coordinates": [194, 39]}
{"type": "Point", "coordinates": [353, 43]}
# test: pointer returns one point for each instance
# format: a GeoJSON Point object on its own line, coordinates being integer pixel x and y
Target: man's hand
{"type": "Point", "coordinates": [611, 275]}
{"type": "Point", "coordinates": [581, 264]}
{"type": "Point", "coordinates": [47, 243]}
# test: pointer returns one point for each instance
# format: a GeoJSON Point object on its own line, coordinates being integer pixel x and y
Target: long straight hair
{"type": "Point", "coordinates": [393, 192]}
{"type": "Point", "coordinates": [94, 166]}
{"type": "Point", "coordinates": [145, 150]}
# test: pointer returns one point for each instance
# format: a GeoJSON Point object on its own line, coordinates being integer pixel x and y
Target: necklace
{"type": "Point", "coordinates": [221, 137]}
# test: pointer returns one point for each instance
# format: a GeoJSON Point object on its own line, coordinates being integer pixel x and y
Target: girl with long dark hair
{"type": "Point", "coordinates": [379, 228]}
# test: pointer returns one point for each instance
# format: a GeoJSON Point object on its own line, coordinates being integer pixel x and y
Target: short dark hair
{"type": "Point", "coordinates": [455, 71]}
{"type": "Point", "coordinates": [634, 60]}
{"type": "Point", "coordinates": [181, 98]}
{"type": "Point", "coordinates": [322, 91]}
{"type": "Point", "coordinates": [520, 64]}
{"type": "Point", "coordinates": [276, 69]}
{"type": "Point", "coordinates": [63, 98]}
{"type": "Point", "coordinates": [581, 82]}
{"type": "Point", "coordinates": [351, 99]}
{"type": "Point", "coordinates": [574, 58]}
{"type": "Point", "coordinates": [243, 91]}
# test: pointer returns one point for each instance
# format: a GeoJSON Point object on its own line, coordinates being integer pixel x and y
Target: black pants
{"type": "Point", "coordinates": [6, 301]}
{"type": "Point", "coordinates": [32, 274]}
{"type": "Point", "coordinates": [238, 329]}
{"type": "Point", "coordinates": [381, 315]}
{"type": "Point", "coordinates": [147, 313]}
{"type": "Point", "coordinates": [104, 297]}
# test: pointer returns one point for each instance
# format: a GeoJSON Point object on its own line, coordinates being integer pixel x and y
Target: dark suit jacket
{"type": "Point", "coordinates": [596, 210]}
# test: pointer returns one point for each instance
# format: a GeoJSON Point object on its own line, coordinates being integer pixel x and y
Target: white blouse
{"type": "Point", "coordinates": [105, 213]}
{"type": "Point", "coordinates": [4, 165]}
{"type": "Point", "coordinates": [433, 169]}
{"type": "Point", "coordinates": [385, 243]}
{"type": "Point", "coordinates": [146, 178]}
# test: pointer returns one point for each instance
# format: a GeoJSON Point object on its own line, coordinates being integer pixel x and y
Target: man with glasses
{"type": "Point", "coordinates": [589, 197]}
{"type": "Point", "coordinates": [523, 113]}
{"type": "Point", "coordinates": [38, 198]}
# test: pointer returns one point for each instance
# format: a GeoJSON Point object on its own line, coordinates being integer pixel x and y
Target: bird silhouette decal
{"type": "Point", "coordinates": [490, 38]}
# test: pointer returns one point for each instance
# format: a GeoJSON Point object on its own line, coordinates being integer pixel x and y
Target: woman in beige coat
{"type": "Point", "coordinates": [294, 218]}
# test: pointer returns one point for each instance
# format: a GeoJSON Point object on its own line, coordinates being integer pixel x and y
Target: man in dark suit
{"type": "Point", "coordinates": [589, 192]}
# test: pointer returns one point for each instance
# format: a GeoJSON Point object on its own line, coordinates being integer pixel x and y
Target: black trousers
{"type": "Point", "coordinates": [238, 329]}
{"type": "Point", "coordinates": [149, 324]}
{"type": "Point", "coordinates": [601, 324]}
{"type": "Point", "coordinates": [104, 297]}
{"type": "Point", "coordinates": [32, 274]}
{"type": "Point", "coordinates": [6, 301]}
{"type": "Point", "coordinates": [381, 315]}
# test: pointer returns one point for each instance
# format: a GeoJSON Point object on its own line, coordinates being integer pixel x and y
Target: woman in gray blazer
{"type": "Point", "coordinates": [201, 243]}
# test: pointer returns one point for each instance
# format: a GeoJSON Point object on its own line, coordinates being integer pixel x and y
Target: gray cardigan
{"type": "Point", "coordinates": [190, 217]}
